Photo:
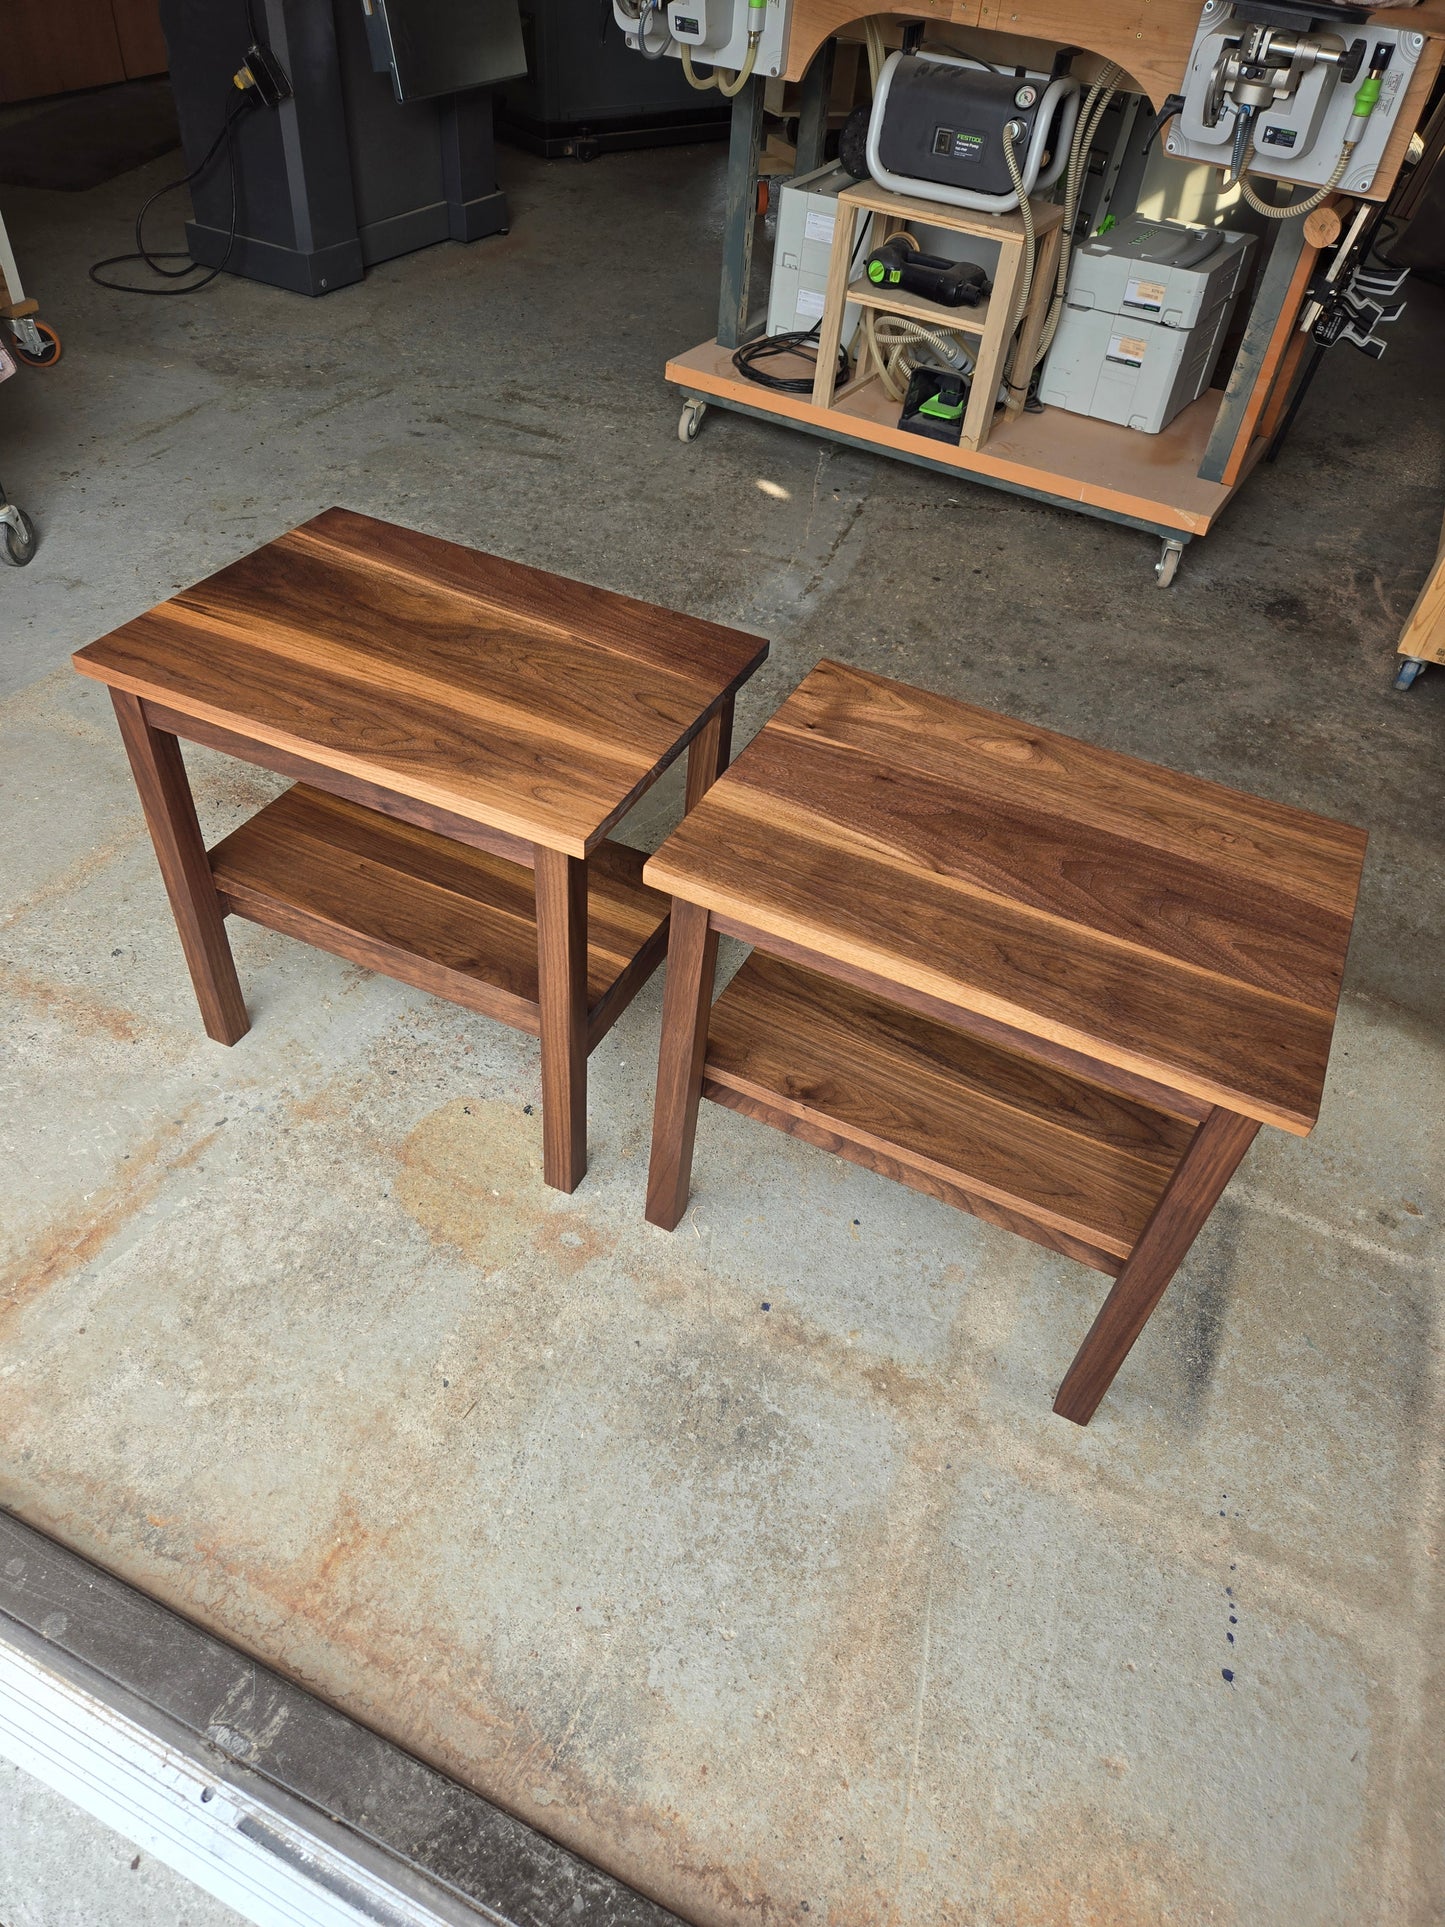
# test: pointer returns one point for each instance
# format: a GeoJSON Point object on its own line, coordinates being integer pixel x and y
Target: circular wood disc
{"type": "Point", "coordinates": [1323, 227]}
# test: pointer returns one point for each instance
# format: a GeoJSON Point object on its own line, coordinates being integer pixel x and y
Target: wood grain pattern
{"type": "Point", "coordinates": [457, 922]}
{"type": "Point", "coordinates": [305, 769]}
{"type": "Point", "coordinates": [1190, 1195]}
{"type": "Point", "coordinates": [1065, 1161]}
{"type": "Point", "coordinates": [691, 969]}
{"type": "Point", "coordinates": [709, 754]}
{"type": "Point", "coordinates": [1176, 929]}
{"type": "Point", "coordinates": [562, 1004]}
{"type": "Point", "coordinates": [501, 694]}
{"type": "Point", "coordinates": [1020, 1043]}
{"type": "Point", "coordinates": [170, 813]}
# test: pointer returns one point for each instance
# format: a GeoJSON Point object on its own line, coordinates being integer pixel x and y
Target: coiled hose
{"type": "Point", "coordinates": [896, 343]}
{"type": "Point", "coordinates": [715, 78]}
{"type": "Point", "coordinates": [1272, 210]}
{"type": "Point", "coordinates": [1096, 105]}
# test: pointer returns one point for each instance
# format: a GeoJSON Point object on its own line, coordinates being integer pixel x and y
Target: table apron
{"type": "Point", "coordinates": [356, 789]}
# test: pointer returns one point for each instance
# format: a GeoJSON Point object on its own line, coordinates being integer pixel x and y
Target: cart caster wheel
{"type": "Point", "coordinates": [19, 535]}
{"type": "Point", "coordinates": [36, 344]}
{"type": "Point", "coordinates": [1167, 567]}
{"type": "Point", "coordinates": [1409, 669]}
{"type": "Point", "coordinates": [690, 420]}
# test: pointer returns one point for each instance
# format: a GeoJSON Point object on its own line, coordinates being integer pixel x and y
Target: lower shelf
{"type": "Point", "coordinates": [450, 919]}
{"type": "Point", "coordinates": [1067, 1163]}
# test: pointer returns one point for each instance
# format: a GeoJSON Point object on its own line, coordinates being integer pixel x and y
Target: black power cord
{"type": "Point", "coordinates": [262, 82]}
{"type": "Point", "coordinates": [153, 261]}
{"type": "Point", "coordinates": [747, 357]}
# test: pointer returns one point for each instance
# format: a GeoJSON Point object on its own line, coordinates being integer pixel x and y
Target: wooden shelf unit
{"type": "Point", "coordinates": [996, 322]}
{"type": "Point", "coordinates": [971, 321]}
{"type": "Point", "coordinates": [1061, 1160]}
{"type": "Point", "coordinates": [1053, 985]}
{"type": "Point", "coordinates": [456, 921]}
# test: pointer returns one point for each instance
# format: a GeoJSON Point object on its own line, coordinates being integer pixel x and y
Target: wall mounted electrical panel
{"type": "Point", "coordinates": [715, 32]}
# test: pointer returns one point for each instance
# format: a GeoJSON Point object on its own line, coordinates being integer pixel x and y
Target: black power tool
{"type": "Point", "coordinates": [899, 263]}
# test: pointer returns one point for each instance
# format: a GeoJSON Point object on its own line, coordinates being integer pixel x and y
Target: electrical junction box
{"type": "Point", "coordinates": [1146, 310]}
{"type": "Point", "coordinates": [716, 35]}
{"type": "Point", "coordinates": [807, 210]}
{"type": "Point", "coordinates": [1298, 138]}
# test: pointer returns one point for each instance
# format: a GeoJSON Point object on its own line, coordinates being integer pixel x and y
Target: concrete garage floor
{"type": "Point", "coordinates": [749, 1561]}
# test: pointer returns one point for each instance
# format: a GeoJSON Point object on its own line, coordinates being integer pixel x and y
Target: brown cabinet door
{"type": "Point", "coordinates": [56, 46]}
{"type": "Point", "coordinates": [142, 44]}
{"type": "Point", "coordinates": [62, 46]}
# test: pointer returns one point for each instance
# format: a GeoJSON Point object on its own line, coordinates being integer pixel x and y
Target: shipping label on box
{"type": "Point", "coordinates": [1146, 295]}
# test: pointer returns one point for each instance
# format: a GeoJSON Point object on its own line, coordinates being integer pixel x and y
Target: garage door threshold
{"type": "Point", "coordinates": [265, 1796]}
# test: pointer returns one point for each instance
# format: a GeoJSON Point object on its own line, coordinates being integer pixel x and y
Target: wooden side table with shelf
{"type": "Point", "coordinates": [993, 321]}
{"type": "Point", "coordinates": [466, 732]}
{"type": "Point", "coordinates": [1050, 984]}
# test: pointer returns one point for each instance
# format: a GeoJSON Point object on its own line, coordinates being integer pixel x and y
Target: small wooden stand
{"type": "Point", "coordinates": [993, 321]}
{"type": "Point", "coordinates": [1051, 985]}
{"type": "Point", "coordinates": [466, 731]}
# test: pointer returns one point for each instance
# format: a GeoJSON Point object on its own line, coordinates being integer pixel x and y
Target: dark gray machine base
{"type": "Point", "coordinates": [326, 268]}
{"type": "Point", "coordinates": [342, 175]}
{"type": "Point", "coordinates": [162, 1672]}
{"type": "Point", "coordinates": [583, 141]}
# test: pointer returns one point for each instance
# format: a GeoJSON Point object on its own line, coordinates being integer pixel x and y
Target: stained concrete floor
{"type": "Point", "coordinates": [748, 1561]}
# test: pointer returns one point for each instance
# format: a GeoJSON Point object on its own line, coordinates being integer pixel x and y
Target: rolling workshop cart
{"type": "Point", "coordinates": [1173, 485]}
{"type": "Point", "coordinates": [24, 338]}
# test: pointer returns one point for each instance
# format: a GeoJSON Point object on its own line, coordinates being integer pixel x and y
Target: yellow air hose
{"type": "Point", "coordinates": [1272, 210]}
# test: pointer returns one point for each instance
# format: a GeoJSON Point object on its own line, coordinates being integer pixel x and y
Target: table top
{"type": "Point", "coordinates": [511, 697]}
{"type": "Point", "coordinates": [1165, 925]}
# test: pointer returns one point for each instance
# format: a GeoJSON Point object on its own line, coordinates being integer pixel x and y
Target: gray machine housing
{"type": "Point", "coordinates": [1299, 138]}
{"type": "Point", "coordinates": [807, 210]}
{"type": "Point", "coordinates": [1146, 310]}
{"type": "Point", "coordinates": [942, 126]}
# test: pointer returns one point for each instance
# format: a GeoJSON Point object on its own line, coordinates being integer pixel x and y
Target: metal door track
{"type": "Point", "coordinates": [274, 1802]}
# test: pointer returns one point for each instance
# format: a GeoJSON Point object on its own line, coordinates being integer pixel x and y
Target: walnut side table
{"type": "Point", "coordinates": [466, 731]}
{"type": "Point", "coordinates": [1050, 984]}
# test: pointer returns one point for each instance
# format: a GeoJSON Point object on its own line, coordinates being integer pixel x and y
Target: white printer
{"type": "Point", "coordinates": [1146, 309]}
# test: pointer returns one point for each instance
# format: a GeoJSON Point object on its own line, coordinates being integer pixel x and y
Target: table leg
{"type": "Point", "coordinates": [562, 996]}
{"type": "Point", "coordinates": [708, 754]}
{"type": "Point", "coordinates": [170, 813]}
{"type": "Point", "coordinates": [740, 214]}
{"type": "Point", "coordinates": [686, 1004]}
{"type": "Point", "coordinates": [1191, 1194]}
